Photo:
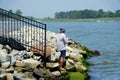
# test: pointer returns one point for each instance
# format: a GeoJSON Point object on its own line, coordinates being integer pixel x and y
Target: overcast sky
{"type": "Point", "coordinates": [47, 8]}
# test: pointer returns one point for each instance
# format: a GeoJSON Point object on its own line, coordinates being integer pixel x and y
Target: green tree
{"type": "Point", "coordinates": [111, 14]}
{"type": "Point", "coordinates": [11, 10]}
{"type": "Point", "coordinates": [18, 12]}
{"type": "Point", "coordinates": [78, 14]}
{"type": "Point", "coordinates": [100, 13]}
{"type": "Point", "coordinates": [117, 13]}
{"type": "Point", "coordinates": [10, 13]}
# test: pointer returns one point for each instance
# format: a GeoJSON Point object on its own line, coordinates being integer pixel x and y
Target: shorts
{"type": "Point", "coordinates": [63, 53]}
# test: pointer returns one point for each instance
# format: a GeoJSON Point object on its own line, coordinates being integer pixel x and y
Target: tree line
{"type": "Point", "coordinates": [83, 14]}
{"type": "Point", "coordinates": [18, 12]}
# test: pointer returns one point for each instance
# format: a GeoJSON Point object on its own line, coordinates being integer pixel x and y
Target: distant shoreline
{"type": "Point", "coordinates": [79, 20]}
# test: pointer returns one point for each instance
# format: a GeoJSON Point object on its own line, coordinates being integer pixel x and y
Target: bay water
{"type": "Point", "coordinates": [101, 36]}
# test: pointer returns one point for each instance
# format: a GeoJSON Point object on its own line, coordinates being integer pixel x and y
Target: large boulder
{"type": "Point", "coordinates": [31, 62]}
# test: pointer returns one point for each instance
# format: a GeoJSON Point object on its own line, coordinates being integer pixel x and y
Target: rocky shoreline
{"type": "Point", "coordinates": [23, 64]}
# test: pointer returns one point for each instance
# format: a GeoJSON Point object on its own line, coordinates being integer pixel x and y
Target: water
{"type": "Point", "coordinates": [101, 36]}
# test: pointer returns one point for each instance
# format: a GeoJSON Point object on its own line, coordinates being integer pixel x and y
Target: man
{"type": "Point", "coordinates": [61, 46]}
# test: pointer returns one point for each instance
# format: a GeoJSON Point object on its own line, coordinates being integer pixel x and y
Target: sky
{"type": "Point", "coordinates": [48, 8]}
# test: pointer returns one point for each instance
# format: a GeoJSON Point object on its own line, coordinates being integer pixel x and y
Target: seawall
{"type": "Point", "coordinates": [25, 65]}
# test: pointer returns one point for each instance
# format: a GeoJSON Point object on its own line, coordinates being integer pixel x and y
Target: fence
{"type": "Point", "coordinates": [26, 31]}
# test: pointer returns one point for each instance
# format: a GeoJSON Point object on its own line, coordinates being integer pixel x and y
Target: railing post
{"type": "Point", "coordinates": [45, 49]}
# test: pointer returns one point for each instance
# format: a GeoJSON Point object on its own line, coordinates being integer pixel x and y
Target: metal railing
{"type": "Point", "coordinates": [26, 31]}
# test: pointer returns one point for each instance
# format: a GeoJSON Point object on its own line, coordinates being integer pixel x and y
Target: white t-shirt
{"type": "Point", "coordinates": [61, 41]}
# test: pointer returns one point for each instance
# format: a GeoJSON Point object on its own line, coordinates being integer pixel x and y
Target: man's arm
{"type": "Point", "coordinates": [65, 39]}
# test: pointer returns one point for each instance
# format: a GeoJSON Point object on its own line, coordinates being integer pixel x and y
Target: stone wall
{"type": "Point", "coordinates": [25, 65]}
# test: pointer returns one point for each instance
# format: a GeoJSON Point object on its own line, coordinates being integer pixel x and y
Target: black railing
{"type": "Point", "coordinates": [26, 31]}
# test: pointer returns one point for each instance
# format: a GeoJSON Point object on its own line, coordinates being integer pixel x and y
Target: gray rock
{"type": "Point", "coordinates": [3, 55]}
{"type": "Point", "coordinates": [31, 62]}
{"type": "Point", "coordinates": [79, 67]}
{"type": "Point", "coordinates": [69, 66]}
{"type": "Point", "coordinates": [38, 72]}
{"type": "Point", "coordinates": [5, 65]}
{"type": "Point", "coordinates": [1, 46]}
{"type": "Point", "coordinates": [56, 73]}
{"type": "Point", "coordinates": [52, 65]}
{"type": "Point", "coordinates": [20, 76]}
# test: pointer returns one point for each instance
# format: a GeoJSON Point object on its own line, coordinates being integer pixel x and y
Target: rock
{"type": "Point", "coordinates": [20, 76]}
{"type": "Point", "coordinates": [41, 79]}
{"type": "Point", "coordinates": [18, 69]}
{"type": "Point", "coordinates": [20, 55]}
{"type": "Point", "coordinates": [15, 56]}
{"type": "Point", "coordinates": [31, 62]}
{"type": "Point", "coordinates": [54, 56]}
{"type": "Point", "coordinates": [9, 76]}
{"type": "Point", "coordinates": [2, 76]}
{"type": "Point", "coordinates": [73, 44]}
{"type": "Point", "coordinates": [1, 46]}
{"type": "Point", "coordinates": [5, 65]}
{"type": "Point", "coordinates": [3, 55]}
{"type": "Point", "coordinates": [8, 48]}
{"type": "Point", "coordinates": [96, 53]}
{"type": "Point", "coordinates": [19, 63]}
{"type": "Point", "coordinates": [69, 66]}
{"type": "Point", "coordinates": [47, 73]}
{"type": "Point", "coordinates": [38, 72]}
{"type": "Point", "coordinates": [75, 56]}
{"type": "Point", "coordinates": [37, 57]}
{"type": "Point", "coordinates": [29, 74]}
{"type": "Point", "coordinates": [56, 73]}
{"type": "Point", "coordinates": [73, 53]}
{"type": "Point", "coordinates": [25, 54]}
{"type": "Point", "coordinates": [52, 65]}
{"type": "Point", "coordinates": [71, 61]}
{"type": "Point", "coordinates": [0, 63]}
{"type": "Point", "coordinates": [79, 67]}
{"type": "Point", "coordinates": [9, 71]}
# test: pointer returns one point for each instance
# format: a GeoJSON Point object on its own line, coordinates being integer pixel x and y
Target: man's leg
{"type": "Point", "coordinates": [61, 60]}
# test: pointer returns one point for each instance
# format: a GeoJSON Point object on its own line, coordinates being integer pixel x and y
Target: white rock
{"type": "Point", "coordinates": [75, 56]}
{"type": "Point", "coordinates": [7, 47]}
{"type": "Point", "coordinates": [1, 46]}
{"type": "Point", "coordinates": [55, 56]}
{"type": "Point", "coordinates": [70, 61]}
{"type": "Point", "coordinates": [69, 66]}
{"type": "Point", "coordinates": [5, 65]}
{"type": "Point", "coordinates": [3, 55]}
{"type": "Point", "coordinates": [52, 65]}
{"type": "Point", "coordinates": [56, 73]}
{"type": "Point", "coordinates": [33, 63]}
{"type": "Point", "coordinates": [80, 67]}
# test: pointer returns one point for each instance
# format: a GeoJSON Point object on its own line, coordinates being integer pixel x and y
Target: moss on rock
{"type": "Point", "coordinates": [76, 76]}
